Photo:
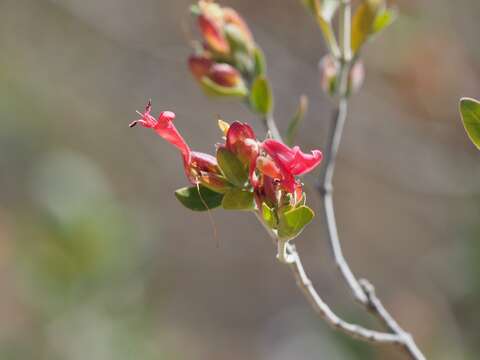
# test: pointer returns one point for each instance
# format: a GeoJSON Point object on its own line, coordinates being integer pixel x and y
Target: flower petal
{"type": "Point", "coordinates": [292, 160]}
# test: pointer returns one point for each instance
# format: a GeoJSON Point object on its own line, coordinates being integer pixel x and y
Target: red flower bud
{"type": "Point", "coordinates": [225, 75]}
{"type": "Point", "coordinates": [199, 66]}
{"type": "Point", "coordinates": [213, 35]}
{"type": "Point", "coordinates": [330, 71]}
{"type": "Point", "coordinates": [241, 141]}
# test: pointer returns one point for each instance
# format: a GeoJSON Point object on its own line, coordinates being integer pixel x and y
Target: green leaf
{"type": "Point", "coordinates": [296, 121]}
{"type": "Point", "coordinates": [470, 111]}
{"type": "Point", "coordinates": [238, 199]}
{"type": "Point", "coordinates": [269, 216]}
{"type": "Point", "coordinates": [384, 19]}
{"type": "Point", "coordinates": [292, 222]}
{"type": "Point", "coordinates": [214, 89]}
{"type": "Point", "coordinates": [232, 167]}
{"type": "Point", "coordinates": [199, 199]}
{"type": "Point", "coordinates": [261, 96]}
{"type": "Point", "coordinates": [260, 64]}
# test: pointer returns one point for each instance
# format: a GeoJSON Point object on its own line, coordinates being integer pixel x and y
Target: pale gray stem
{"type": "Point", "coordinates": [271, 127]}
{"type": "Point", "coordinates": [326, 313]}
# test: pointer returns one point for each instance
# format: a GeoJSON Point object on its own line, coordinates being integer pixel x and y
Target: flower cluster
{"type": "Point", "coordinates": [246, 174]}
{"type": "Point", "coordinates": [227, 60]}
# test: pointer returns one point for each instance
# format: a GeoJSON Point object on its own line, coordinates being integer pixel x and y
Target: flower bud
{"type": "Point", "coordinates": [242, 142]}
{"type": "Point", "coordinates": [329, 76]}
{"type": "Point", "coordinates": [199, 66]}
{"type": "Point", "coordinates": [225, 75]}
{"type": "Point", "coordinates": [214, 182]}
{"type": "Point", "coordinates": [213, 35]}
{"type": "Point", "coordinates": [237, 29]}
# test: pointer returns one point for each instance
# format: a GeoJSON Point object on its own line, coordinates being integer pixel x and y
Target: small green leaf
{"type": "Point", "coordinates": [384, 19]}
{"type": "Point", "coordinates": [238, 199]}
{"type": "Point", "coordinates": [260, 64]}
{"type": "Point", "coordinates": [470, 111]}
{"type": "Point", "coordinates": [292, 222]}
{"type": "Point", "coordinates": [296, 121]}
{"type": "Point", "coordinates": [232, 167]}
{"type": "Point", "coordinates": [269, 216]}
{"type": "Point", "coordinates": [191, 198]}
{"type": "Point", "coordinates": [261, 96]}
{"type": "Point", "coordinates": [214, 89]}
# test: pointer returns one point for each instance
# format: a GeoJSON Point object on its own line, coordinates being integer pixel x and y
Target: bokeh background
{"type": "Point", "coordinates": [98, 260]}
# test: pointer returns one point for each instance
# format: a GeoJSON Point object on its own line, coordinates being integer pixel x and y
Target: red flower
{"type": "Point", "coordinates": [291, 161]}
{"type": "Point", "coordinates": [199, 167]}
{"type": "Point", "coordinates": [165, 128]}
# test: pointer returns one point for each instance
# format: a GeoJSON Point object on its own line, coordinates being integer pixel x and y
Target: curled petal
{"type": "Point", "coordinates": [213, 35]}
{"type": "Point", "coordinates": [292, 160]}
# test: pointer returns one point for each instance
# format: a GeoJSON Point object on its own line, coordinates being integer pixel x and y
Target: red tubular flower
{"type": "Point", "coordinates": [199, 167]}
{"type": "Point", "coordinates": [291, 161]}
{"type": "Point", "coordinates": [165, 128]}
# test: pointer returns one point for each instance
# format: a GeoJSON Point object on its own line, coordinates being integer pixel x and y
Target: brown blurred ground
{"type": "Point", "coordinates": [99, 261]}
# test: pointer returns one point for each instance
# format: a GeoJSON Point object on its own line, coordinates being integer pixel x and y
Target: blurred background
{"type": "Point", "coordinates": [99, 261]}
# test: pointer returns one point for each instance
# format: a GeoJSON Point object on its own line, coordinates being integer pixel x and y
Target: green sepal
{"type": "Point", "coordinates": [261, 99]}
{"type": "Point", "coordinates": [236, 39]}
{"type": "Point", "coordinates": [233, 169]}
{"type": "Point", "coordinates": [470, 112]}
{"type": "Point", "coordinates": [198, 198]}
{"type": "Point", "coordinates": [292, 222]}
{"type": "Point", "coordinates": [269, 216]}
{"type": "Point", "coordinates": [238, 199]}
{"type": "Point", "coordinates": [213, 89]}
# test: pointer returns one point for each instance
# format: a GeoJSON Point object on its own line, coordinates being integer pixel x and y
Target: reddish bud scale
{"type": "Point", "coordinates": [199, 66]}
{"type": "Point", "coordinates": [213, 35]}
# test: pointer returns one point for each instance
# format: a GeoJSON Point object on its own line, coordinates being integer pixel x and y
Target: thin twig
{"type": "Point", "coordinates": [325, 312]}
{"type": "Point", "coordinates": [362, 290]}
{"type": "Point", "coordinates": [271, 127]}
